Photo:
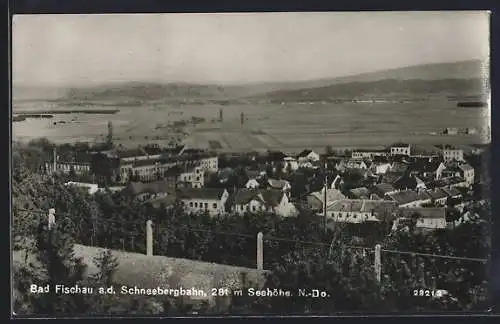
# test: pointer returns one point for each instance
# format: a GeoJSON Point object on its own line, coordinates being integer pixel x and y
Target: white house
{"type": "Point", "coordinates": [420, 183]}
{"type": "Point", "coordinates": [426, 218]}
{"type": "Point", "coordinates": [359, 211]}
{"type": "Point", "coordinates": [308, 156]}
{"type": "Point", "coordinates": [351, 164]}
{"type": "Point", "coordinates": [368, 154]}
{"type": "Point", "coordinates": [209, 163]}
{"type": "Point", "coordinates": [451, 153]}
{"type": "Point", "coordinates": [194, 176]}
{"type": "Point", "coordinates": [270, 200]}
{"type": "Point", "coordinates": [252, 184]}
{"type": "Point", "coordinates": [401, 149]}
{"type": "Point", "coordinates": [204, 200]}
{"type": "Point", "coordinates": [78, 168]}
{"type": "Point", "coordinates": [380, 168]}
{"type": "Point", "coordinates": [292, 162]}
{"type": "Point", "coordinates": [467, 172]}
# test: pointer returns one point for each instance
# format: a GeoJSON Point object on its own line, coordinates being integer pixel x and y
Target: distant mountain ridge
{"type": "Point", "coordinates": [381, 89]}
{"type": "Point", "coordinates": [429, 73]}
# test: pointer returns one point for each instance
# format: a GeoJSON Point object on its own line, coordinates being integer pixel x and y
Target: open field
{"type": "Point", "coordinates": [287, 127]}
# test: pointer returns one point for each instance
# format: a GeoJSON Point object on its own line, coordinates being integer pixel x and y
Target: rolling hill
{"type": "Point", "coordinates": [382, 89]}
{"type": "Point", "coordinates": [454, 78]}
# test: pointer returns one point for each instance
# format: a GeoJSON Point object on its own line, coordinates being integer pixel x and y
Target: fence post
{"type": "Point", "coordinates": [51, 218]}
{"type": "Point", "coordinates": [260, 251]}
{"type": "Point", "coordinates": [378, 263]}
{"type": "Point", "coordinates": [149, 238]}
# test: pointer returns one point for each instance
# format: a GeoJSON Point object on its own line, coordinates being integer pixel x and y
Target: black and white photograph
{"type": "Point", "coordinates": [250, 164]}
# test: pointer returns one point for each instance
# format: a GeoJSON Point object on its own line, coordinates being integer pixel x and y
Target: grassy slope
{"type": "Point", "coordinates": [152, 271]}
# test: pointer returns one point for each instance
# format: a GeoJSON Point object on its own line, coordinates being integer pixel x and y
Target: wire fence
{"type": "Point", "coordinates": [133, 227]}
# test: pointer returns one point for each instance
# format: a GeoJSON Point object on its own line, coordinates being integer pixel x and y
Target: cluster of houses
{"type": "Point", "coordinates": [399, 182]}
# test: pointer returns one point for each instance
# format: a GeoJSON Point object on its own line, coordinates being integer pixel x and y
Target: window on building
{"type": "Point", "coordinates": [214, 205]}
{"type": "Point", "coordinates": [190, 204]}
{"type": "Point", "coordinates": [206, 205]}
{"type": "Point", "coordinates": [254, 208]}
{"type": "Point", "coordinates": [196, 205]}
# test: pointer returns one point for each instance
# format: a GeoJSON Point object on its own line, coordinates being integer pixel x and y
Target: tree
{"type": "Point", "coordinates": [278, 173]}
{"type": "Point", "coordinates": [55, 264]}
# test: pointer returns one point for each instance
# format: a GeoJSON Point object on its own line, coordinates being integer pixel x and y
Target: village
{"type": "Point", "coordinates": [433, 186]}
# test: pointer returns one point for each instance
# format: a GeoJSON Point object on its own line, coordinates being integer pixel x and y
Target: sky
{"type": "Point", "coordinates": [237, 48]}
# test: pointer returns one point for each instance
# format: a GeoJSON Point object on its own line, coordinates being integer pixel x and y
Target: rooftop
{"type": "Point", "coordinates": [400, 145]}
{"type": "Point", "coordinates": [304, 153]}
{"type": "Point", "coordinates": [383, 188]}
{"type": "Point", "coordinates": [362, 206]}
{"type": "Point", "coordinates": [331, 195]}
{"type": "Point", "coordinates": [360, 192]}
{"type": "Point", "coordinates": [201, 193]}
{"type": "Point", "coordinates": [137, 188]}
{"type": "Point", "coordinates": [430, 213]}
{"type": "Point", "coordinates": [437, 194]}
{"type": "Point", "coordinates": [408, 196]}
{"type": "Point", "coordinates": [270, 197]}
{"type": "Point", "coordinates": [466, 167]}
{"type": "Point", "coordinates": [278, 184]}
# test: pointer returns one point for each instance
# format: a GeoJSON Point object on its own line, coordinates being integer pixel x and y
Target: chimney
{"type": "Point", "coordinates": [55, 158]}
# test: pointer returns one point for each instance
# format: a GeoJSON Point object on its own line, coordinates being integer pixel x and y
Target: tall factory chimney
{"type": "Point", "coordinates": [110, 134]}
{"type": "Point", "coordinates": [54, 159]}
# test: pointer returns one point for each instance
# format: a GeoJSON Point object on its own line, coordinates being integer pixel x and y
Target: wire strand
{"type": "Point", "coordinates": [271, 238]}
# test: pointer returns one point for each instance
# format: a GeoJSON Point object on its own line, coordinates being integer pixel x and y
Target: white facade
{"type": "Point", "coordinates": [382, 168]}
{"type": "Point", "coordinates": [467, 173]}
{"type": "Point", "coordinates": [450, 154]}
{"type": "Point", "coordinates": [431, 223]}
{"type": "Point", "coordinates": [252, 184]}
{"type": "Point", "coordinates": [349, 217]}
{"type": "Point", "coordinates": [283, 209]}
{"type": "Point", "coordinates": [439, 171]}
{"type": "Point", "coordinates": [212, 206]}
{"type": "Point", "coordinates": [210, 163]}
{"type": "Point", "coordinates": [140, 158]}
{"type": "Point", "coordinates": [294, 165]}
{"type": "Point", "coordinates": [196, 177]}
{"type": "Point", "coordinates": [400, 150]}
{"type": "Point", "coordinates": [145, 172]}
{"type": "Point", "coordinates": [367, 154]}
{"type": "Point", "coordinates": [311, 157]}
{"type": "Point", "coordinates": [66, 167]}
